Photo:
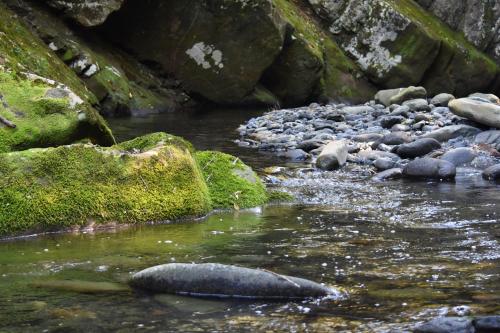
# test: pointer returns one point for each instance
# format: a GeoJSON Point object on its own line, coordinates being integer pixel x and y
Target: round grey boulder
{"type": "Point", "coordinates": [442, 99]}
{"type": "Point", "coordinates": [430, 168]}
{"type": "Point", "coordinates": [459, 156]}
{"type": "Point", "coordinates": [478, 110]}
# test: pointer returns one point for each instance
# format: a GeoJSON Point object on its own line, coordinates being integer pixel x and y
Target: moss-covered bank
{"type": "Point", "coordinates": [152, 178]}
{"type": "Point", "coordinates": [42, 99]}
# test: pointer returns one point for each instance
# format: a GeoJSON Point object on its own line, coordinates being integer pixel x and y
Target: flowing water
{"type": "Point", "coordinates": [401, 253]}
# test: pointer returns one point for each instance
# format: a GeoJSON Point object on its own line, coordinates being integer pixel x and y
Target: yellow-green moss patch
{"type": "Point", "coordinates": [231, 183]}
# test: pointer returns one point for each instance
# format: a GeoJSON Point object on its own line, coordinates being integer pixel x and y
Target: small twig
{"type": "Point", "coordinates": [7, 122]}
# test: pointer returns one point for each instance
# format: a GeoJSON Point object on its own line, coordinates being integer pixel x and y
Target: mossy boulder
{"type": "Point", "coordinates": [153, 178]}
{"type": "Point", "coordinates": [86, 12]}
{"type": "Point", "coordinates": [43, 98]}
{"type": "Point", "coordinates": [231, 183]}
{"type": "Point", "coordinates": [218, 49]}
{"type": "Point", "coordinates": [397, 43]}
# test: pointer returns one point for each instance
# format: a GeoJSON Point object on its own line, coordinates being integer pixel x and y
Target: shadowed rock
{"type": "Point", "coordinates": [417, 148]}
{"type": "Point", "coordinates": [216, 280]}
{"type": "Point", "coordinates": [333, 156]}
{"type": "Point", "coordinates": [492, 173]}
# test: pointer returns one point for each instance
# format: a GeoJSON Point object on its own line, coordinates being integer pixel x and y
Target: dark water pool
{"type": "Point", "coordinates": [402, 252]}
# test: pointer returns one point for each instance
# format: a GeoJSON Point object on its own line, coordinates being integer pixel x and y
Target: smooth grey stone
{"type": "Point", "coordinates": [418, 104]}
{"type": "Point", "coordinates": [295, 155]}
{"type": "Point", "coordinates": [491, 138]}
{"type": "Point", "coordinates": [384, 163]}
{"type": "Point", "coordinates": [401, 110]}
{"type": "Point", "coordinates": [430, 168]}
{"type": "Point", "coordinates": [400, 128]}
{"type": "Point", "coordinates": [447, 325]}
{"type": "Point", "coordinates": [395, 173]}
{"type": "Point", "coordinates": [396, 138]}
{"type": "Point", "coordinates": [333, 156]}
{"type": "Point", "coordinates": [442, 99]}
{"type": "Point", "coordinates": [309, 145]}
{"type": "Point", "coordinates": [492, 173]}
{"type": "Point", "coordinates": [489, 97]}
{"type": "Point", "coordinates": [459, 156]}
{"type": "Point", "coordinates": [367, 137]}
{"type": "Point", "coordinates": [356, 110]}
{"type": "Point", "coordinates": [372, 155]}
{"type": "Point", "coordinates": [482, 112]}
{"type": "Point", "coordinates": [384, 96]}
{"type": "Point", "coordinates": [389, 121]}
{"type": "Point", "coordinates": [422, 117]}
{"type": "Point", "coordinates": [487, 324]}
{"type": "Point", "coordinates": [452, 132]}
{"type": "Point", "coordinates": [218, 280]}
{"type": "Point", "coordinates": [417, 148]}
{"type": "Point", "coordinates": [408, 94]}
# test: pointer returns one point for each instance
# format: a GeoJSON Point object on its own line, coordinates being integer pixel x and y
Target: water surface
{"type": "Point", "coordinates": [402, 252]}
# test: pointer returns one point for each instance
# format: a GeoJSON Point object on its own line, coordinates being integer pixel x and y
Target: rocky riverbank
{"type": "Point", "coordinates": [400, 133]}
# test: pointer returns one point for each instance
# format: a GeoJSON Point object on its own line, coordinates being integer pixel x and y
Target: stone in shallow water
{"type": "Point", "coordinates": [487, 324]}
{"type": "Point", "coordinates": [478, 110]}
{"type": "Point", "coordinates": [442, 99]}
{"type": "Point", "coordinates": [395, 173]}
{"type": "Point", "coordinates": [446, 325]}
{"type": "Point", "coordinates": [218, 280]}
{"type": "Point", "coordinates": [492, 173]}
{"type": "Point", "coordinates": [452, 132]}
{"type": "Point", "coordinates": [459, 156]}
{"type": "Point", "coordinates": [491, 138]}
{"type": "Point", "coordinates": [333, 156]}
{"type": "Point", "coordinates": [430, 168]}
{"type": "Point", "coordinates": [417, 148]}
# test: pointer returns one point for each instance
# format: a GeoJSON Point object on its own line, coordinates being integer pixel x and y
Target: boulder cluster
{"type": "Point", "coordinates": [401, 133]}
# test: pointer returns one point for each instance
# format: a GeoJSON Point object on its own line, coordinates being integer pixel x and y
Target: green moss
{"type": "Point", "coordinates": [279, 196]}
{"type": "Point", "coordinates": [152, 140]}
{"type": "Point", "coordinates": [230, 182]}
{"type": "Point", "coordinates": [43, 121]}
{"type": "Point", "coordinates": [79, 184]}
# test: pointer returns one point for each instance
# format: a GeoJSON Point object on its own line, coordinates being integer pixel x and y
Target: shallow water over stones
{"type": "Point", "coordinates": [402, 251]}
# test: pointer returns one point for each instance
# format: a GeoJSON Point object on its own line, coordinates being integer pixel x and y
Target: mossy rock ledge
{"type": "Point", "coordinates": [154, 178]}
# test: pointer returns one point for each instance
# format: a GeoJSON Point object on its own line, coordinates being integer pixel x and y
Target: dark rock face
{"type": "Point", "coordinates": [447, 325]}
{"type": "Point", "coordinates": [218, 49]}
{"type": "Point", "coordinates": [218, 280]}
{"type": "Point", "coordinates": [417, 148]}
{"type": "Point", "coordinates": [430, 168]}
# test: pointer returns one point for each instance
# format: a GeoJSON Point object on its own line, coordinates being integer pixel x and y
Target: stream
{"type": "Point", "coordinates": [402, 252]}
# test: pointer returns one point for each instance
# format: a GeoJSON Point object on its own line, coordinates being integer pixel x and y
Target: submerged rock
{"type": "Point", "coordinates": [430, 168]}
{"type": "Point", "coordinates": [487, 324]}
{"type": "Point", "coordinates": [447, 325]}
{"type": "Point", "coordinates": [395, 173]}
{"type": "Point", "coordinates": [218, 280]}
{"type": "Point", "coordinates": [478, 110]}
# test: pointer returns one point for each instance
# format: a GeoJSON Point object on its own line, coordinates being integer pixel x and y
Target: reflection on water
{"type": "Point", "coordinates": [402, 251]}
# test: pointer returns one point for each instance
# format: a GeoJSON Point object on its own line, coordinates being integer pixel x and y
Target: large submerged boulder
{"type": "Point", "coordinates": [218, 280]}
